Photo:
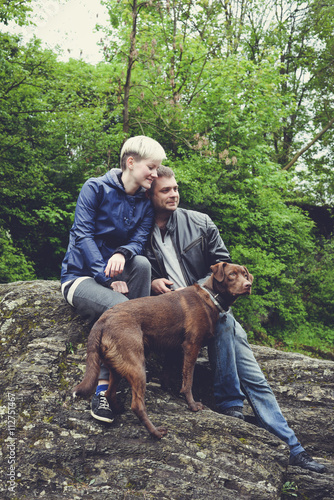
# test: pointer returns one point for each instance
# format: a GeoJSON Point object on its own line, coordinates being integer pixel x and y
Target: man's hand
{"type": "Point", "coordinates": [115, 265]}
{"type": "Point", "coordinates": [120, 286]}
{"type": "Point", "coordinates": [159, 286]}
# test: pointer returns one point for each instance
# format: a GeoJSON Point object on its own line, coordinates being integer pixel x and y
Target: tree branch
{"type": "Point", "coordinates": [315, 139]}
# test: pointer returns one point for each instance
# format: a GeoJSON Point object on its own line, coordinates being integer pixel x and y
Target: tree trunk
{"type": "Point", "coordinates": [131, 60]}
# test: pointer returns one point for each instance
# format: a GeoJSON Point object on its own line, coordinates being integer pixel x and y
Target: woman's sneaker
{"type": "Point", "coordinates": [100, 409]}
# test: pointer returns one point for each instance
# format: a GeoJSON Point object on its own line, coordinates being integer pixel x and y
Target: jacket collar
{"type": "Point", "coordinates": [172, 221]}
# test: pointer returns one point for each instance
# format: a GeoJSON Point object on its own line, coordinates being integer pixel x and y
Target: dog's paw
{"type": "Point", "coordinates": [74, 395]}
{"type": "Point", "coordinates": [159, 432]}
{"type": "Point", "coordinates": [196, 406]}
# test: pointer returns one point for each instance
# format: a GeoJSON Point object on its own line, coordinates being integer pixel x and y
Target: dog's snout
{"type": "Point", "coordinates": [247, 285]}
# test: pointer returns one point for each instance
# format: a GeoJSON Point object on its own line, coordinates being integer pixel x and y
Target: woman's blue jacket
{"type": "Point", "coordinates": [106, 220]}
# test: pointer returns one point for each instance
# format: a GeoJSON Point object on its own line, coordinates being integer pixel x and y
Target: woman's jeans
{"type": "Point", "coordinates": [91, 299]}
{"type": "Point", "coordinates": [237, 374]}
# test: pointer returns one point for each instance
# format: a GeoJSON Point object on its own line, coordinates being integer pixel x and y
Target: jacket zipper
{"type": "Point", "coordinates": [162, 270]}
{"type": "Point", "coordinates": [201, 239]}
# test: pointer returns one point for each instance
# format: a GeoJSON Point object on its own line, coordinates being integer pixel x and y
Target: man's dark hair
{"type": "Point", "coordinates": [162, 171]}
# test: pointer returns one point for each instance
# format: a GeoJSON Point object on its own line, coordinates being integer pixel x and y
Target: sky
{"type": "Point", "coordinates": [69, 24]}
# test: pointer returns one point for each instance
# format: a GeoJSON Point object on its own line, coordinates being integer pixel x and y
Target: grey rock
{"type": "Point", "coordinates": [51, 447]}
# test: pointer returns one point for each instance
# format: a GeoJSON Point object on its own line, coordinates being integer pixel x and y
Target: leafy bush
{"type": "Point", "coordinates": [14, 266]}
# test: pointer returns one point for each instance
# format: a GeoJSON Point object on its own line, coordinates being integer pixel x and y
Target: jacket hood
{"type": "Point", "coordinates": [112, 178]}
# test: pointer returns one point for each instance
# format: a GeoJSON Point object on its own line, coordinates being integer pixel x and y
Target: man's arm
{"type": "Point", "coordinates": [216, 249]}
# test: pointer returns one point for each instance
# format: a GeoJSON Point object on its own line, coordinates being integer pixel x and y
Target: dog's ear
{"type": "Point", "coordinates": [250, 276]}
{"type": "Point", "coordinates": [219, 270]}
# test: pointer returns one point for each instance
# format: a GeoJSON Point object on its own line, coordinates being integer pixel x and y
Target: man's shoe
{"type": "Point", "coordinates": [100, 408]}
{"type": "Point", "coordinates": [234, 411]}
{"type": "Point", "coordinates": [304, 461]}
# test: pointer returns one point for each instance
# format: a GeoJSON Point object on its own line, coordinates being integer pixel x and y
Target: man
{"type": "Point", "coordinates": [182, 246]}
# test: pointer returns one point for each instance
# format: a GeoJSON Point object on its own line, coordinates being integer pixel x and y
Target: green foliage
{"type": "Point", "coordinates": [290, 489]}
{"type": "Point", "coordinates": [15, 11]}
{"type": "Point", "coordinates": [13, 264]}
{"type": "Point", "coordinates": [317, 284]}
{"type": "Point", "coordinates": [52, 120]}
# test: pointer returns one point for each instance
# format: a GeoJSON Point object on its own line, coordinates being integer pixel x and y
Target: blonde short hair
{"type": "Point", "coordinates": [141, 147]}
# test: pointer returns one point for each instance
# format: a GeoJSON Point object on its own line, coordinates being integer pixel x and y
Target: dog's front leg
{"type": "Point", "coordinates": [191, 352]}
{"type": "Point", "coordinates": [111, 395]}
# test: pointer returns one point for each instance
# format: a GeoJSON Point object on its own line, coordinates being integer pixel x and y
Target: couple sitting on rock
{"type": "Point", "coordinates": [131, 212]}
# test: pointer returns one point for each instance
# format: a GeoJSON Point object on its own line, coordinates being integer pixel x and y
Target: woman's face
{"type": "Point", "coordinates": [144, 171]}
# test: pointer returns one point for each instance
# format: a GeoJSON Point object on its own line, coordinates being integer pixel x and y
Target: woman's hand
{"type": "Point", "coordinates": [159, 286]}
{"type": "Point", "coordinates": [115, 265]}
{"type": "Point", "coordinates": [119, 286]}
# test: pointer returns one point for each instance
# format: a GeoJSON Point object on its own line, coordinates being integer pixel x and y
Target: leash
{"type": "Point", "coordinates": [214, 300]}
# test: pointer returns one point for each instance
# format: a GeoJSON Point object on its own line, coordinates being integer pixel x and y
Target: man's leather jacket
{"type": "Point", "coordinates": [197, 243]}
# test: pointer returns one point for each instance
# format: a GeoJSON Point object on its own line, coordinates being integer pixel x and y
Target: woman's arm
{"type": "Point", "coordinates": [84, 231]}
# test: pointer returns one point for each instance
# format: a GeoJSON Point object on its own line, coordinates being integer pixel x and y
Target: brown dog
{"type": "Point", "coordinates": [186, 318]}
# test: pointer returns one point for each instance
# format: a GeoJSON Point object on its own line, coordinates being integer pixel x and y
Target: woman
{"type": "Point", "coordinates": [104, 260]}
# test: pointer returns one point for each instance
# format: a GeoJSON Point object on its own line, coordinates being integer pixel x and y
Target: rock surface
{"type": "Point", "coordinates": [51, 447]}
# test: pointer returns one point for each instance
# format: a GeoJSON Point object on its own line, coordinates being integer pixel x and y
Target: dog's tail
{"type": "Point", "coordinates": [89, 382]}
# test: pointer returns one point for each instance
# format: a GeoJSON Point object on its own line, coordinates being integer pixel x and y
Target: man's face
{"type": "Point", "coordinates": [165, 196]}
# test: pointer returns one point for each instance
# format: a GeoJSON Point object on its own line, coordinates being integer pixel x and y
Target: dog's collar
{"type": "Point", "coordinates": [216, 300]}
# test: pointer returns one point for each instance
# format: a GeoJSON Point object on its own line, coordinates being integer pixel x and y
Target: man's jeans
{"type": "Point", "coordinates": [237, 374]}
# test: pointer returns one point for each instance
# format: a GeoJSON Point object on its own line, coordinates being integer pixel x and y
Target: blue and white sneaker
{"type": "Point", "coordinates": [100, 408]}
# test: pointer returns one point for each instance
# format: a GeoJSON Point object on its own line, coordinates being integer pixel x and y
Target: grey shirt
{"type": "Point", "coordinates": [171, 261]}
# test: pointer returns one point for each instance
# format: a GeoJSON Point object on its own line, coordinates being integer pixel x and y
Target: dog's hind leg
{"type": "Point", "coordinates": [89, 382]}
{"type": "Point", "coordinates": [137, 380]}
